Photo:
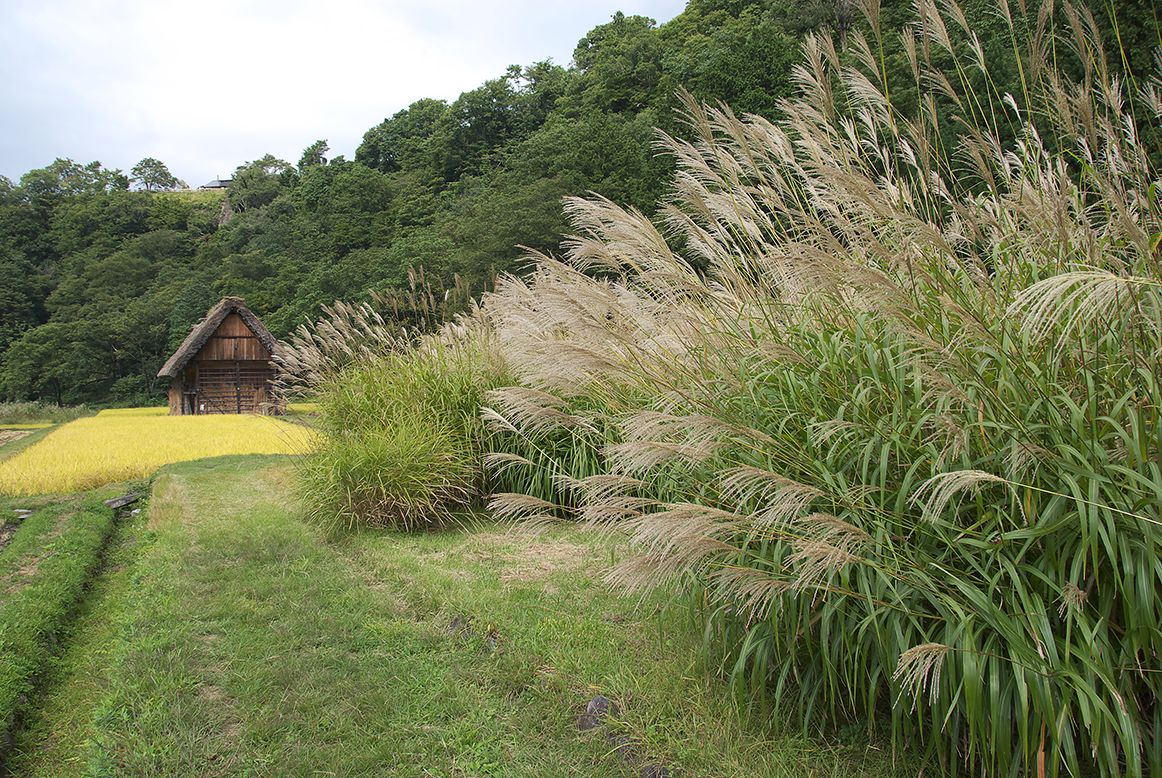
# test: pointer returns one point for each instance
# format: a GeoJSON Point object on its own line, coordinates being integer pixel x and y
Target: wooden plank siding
{"type": "Point", "coordinates": [232, 341]}
{"type": "Point", "coordinates": [231, 373]}
{"type": "Point", "coordinates": [232, 386]}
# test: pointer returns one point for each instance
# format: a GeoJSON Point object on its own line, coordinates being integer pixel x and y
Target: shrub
{"type": "Point", "coordinates": [403, 474]}
{"type": "Point", "coordinates": [900, 435]}
{"type": "Point", "coordinates": [403, 435]}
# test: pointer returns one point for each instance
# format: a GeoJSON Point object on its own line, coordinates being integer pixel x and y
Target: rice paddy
{"type": "Point", "coordinates": [126, 443]}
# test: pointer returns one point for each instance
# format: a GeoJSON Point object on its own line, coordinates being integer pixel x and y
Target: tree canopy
{"type": "Point", "coordinates": [153, 176]}
{"type": "Point", "coordinates": [102, 273]}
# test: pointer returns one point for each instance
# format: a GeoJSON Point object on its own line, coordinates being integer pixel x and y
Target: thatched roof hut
{"type": "Point", "coordinates": [223, 365]}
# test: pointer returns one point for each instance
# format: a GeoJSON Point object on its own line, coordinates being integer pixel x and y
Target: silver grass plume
{"type": "Point", "coordinates": [938, 491]}
{"type": "Point", "coordinates": [919, 670]}
{"type": "Point", "coordinates": [777, 499]}
{"type": "Point", "coordinates": [529, 512]}
{"type": "Point", "coordinates": [532, 410]}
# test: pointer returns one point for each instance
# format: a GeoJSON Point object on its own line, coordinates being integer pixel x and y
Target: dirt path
{"type": "Point", "coordinates": [10, 436]}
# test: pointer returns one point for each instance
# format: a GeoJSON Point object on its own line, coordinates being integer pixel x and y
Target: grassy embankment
{"type": "Point", "coordinates": [45, 563]}
{"type": "Point", "coordinates": [230, 639]}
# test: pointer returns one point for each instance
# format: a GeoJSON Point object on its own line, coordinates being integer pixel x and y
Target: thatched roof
{"type": "Point", "coordinates": [204, 329]}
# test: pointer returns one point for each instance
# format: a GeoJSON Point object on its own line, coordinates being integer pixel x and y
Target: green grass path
{"type": "Point", "coordinates": [229, 639]}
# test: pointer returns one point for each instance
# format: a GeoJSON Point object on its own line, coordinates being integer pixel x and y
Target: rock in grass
{"type": "Point", "coordinates": [460, 626]}
{"type": "Point", "coordinates": [587, 721]}
{"type": "Point", "coordinates": [596, 711]}
{"type": "Point", "coordinates": [602, 707]}
{"type": "Point", "coordinates": [622, 745]}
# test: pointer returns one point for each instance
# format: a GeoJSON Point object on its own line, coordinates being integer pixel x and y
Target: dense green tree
{"type": "Point", "coordinates": [56, 362]}
{"type": "Point", "coordinates": [403, 142]}
{"type": "Point", "coordinates": [620, 66]}
{"type": "Point", "coordinates": [101, 221]}
{"type": "Point", "coordinates": [477, 124]}
{"type": "Point", "coordinates": [313, 155]}
{"type": "Point", "coordinates": [257, 183]}
{"type": "Point", "coordinates": [64, 178]}
{"type": "Point", "coordinates": [152, 175]}
{"type": "Point", "coordinates": [22, 292]}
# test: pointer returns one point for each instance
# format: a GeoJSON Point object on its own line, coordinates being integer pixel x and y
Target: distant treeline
{"type": "Point", "coordinates": [100, 281]}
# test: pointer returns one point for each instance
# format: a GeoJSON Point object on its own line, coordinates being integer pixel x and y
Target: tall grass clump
{"type": "Point", "coordinates": [38, 412]}
{"type": "Point", "coordinates": [888, 405]}
{"type": "Point", "coordinates": [400, 416]}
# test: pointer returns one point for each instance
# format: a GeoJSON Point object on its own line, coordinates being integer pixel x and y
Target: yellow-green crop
{"type": "Point", "coordinates": [133, 443]}
{"type": "Point", "coordinates": [159, 410]}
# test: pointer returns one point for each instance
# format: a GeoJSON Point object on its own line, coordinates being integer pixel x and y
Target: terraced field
{"type": "Point", "coordinates": [116, 445]}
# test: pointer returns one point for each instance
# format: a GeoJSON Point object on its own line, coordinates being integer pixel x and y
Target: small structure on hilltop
{"type": "Point", "coordinates": [223, 365]}
{"type": "Point", "coordinates": [217, 183]}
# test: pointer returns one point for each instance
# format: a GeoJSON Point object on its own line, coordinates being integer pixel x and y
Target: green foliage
{"type": "Point", "coordinates": [403, 142]}
{"type": "Point", "coordinates": [408, 474]}
{"type": "Point", "coordinates": [621, 66]}
{"type": "Point", "coordinates": [34, 413]}
{"type": "Point", "coordinates": [21, 298]}
{"type": "Point", "coordinates": [885, 407]}
{"type": "Point", "coordinates": [43, 572]}
{"type": "Point", "coordinates": [313, 155]}
{"type": "Point", "coordinates": [65, 178]}
{"type": "Point", "coordinates": [152, 175]}
{"type": "Point", "coordinates": [403, 439]}
{"type": "Point", "coordinates": [257, 183]}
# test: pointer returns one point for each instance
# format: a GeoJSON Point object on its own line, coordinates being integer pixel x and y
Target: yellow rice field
{"type": "Point", "coordinates": [118, 445]}
{"type": "Point", "coordinates": [154, 411]}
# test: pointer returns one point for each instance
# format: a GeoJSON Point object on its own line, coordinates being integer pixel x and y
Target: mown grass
{"type": "Point", "coordinates": [43, 572]}
{"type": "Point", "coordinates": [59, 723]}
{"type": "Point", "coordinates": [121, 444]}
{"type": "Point", "coordinates": [245, 644]}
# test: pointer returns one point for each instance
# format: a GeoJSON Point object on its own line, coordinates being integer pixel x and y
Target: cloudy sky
{"type": "Point", "coordinates": [209, 84]}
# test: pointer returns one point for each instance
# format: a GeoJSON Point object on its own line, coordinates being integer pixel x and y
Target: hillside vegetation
{"type": "Point", "coordinates": [99, 284]}
{"type": "Point", "coordinates": [879, 402]}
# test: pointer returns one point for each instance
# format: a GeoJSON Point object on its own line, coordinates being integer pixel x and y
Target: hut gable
{"type": "Point", "coordinates": [223, 365]}
{"type": "Point", "coordinates": [232, 309]}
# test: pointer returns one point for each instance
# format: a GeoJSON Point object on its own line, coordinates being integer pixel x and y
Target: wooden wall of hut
{"type": "Point", "coordinates": [231, 373]}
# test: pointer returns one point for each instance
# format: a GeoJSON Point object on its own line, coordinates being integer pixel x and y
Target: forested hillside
{"type": "Point", "coordinates": [102, 274]}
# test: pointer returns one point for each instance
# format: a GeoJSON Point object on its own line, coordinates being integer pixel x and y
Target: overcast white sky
{"type": "Point", "coordinates": [206, 85]}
